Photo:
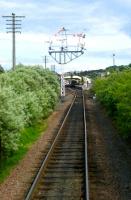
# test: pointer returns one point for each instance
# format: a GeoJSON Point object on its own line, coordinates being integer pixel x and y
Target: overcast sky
{"type": "Point", "coordinates": [107, 25]}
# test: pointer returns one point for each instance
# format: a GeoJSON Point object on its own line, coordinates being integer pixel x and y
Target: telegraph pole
{"type": "Point", "coordinates": [45, 60]}
{"type": "Point", "coordinates": [13, 26]}
{"type": "Point", "coordinates": [113, 60]}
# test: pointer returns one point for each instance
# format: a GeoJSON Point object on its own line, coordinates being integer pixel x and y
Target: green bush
{"type": "Point", "coordinates": [27, 95]}
{"type": "Point", "coordinates": [12, 118]}
{"type": "Point", "coordinates": [114, 92]}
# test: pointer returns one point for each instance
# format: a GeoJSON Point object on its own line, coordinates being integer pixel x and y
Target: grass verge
{"type": "Point", "coordinates": [28, 136]}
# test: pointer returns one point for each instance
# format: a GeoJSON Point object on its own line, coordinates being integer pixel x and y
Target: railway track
{"type": "Point", "coordinates": [64, 172]}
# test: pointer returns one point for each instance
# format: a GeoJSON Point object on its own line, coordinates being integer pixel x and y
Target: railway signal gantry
{"type": "Point", "coordinates": [64, 48]}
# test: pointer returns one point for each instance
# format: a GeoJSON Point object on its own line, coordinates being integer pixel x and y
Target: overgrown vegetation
{"type": "Point", "coordinates": [27, 96]}
{"type": "Point", "coordinates": [114, 92]}
{"type": "Point", "coordinates": [28, 136]}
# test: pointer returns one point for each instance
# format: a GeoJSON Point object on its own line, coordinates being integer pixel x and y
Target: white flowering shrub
{"type": "Point", "coordinates": [51, 79]}
{"type": "Point", "coordinates": [26, 95]}
{"type": "Point", "coordinates": [32, 107]}
{"type": "Point", "coordinates": [12, 118]}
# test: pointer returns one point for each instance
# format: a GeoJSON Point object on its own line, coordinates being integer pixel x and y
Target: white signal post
{"type": "Point", "coordinates": [62, 85]}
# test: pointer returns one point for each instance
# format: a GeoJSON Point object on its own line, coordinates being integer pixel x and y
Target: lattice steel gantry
{"type": "Point", "coordinates": [64, 48]}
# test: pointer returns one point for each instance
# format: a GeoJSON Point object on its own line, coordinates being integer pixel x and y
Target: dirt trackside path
{"type": "Point", "coordinates": [109, 157]}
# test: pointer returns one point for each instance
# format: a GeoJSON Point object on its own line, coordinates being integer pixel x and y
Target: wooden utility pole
{"type": "Point", "coordinates": [45, 61]}
{"type": "Point", "coordinates": [113, 59]}
{"type": "Point", "coordinates": [13, 26]}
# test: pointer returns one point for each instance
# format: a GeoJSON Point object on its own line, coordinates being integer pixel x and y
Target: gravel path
{"type": "Point", "coordinates": [109, 157]}
{"type": "Point", "coordinates": [15, 186]}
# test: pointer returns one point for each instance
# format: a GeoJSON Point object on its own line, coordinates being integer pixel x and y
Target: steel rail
{"type": "Point", "coordinates": [45, 162]}
{"type": "Point", "coordinates": [86, 155]}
